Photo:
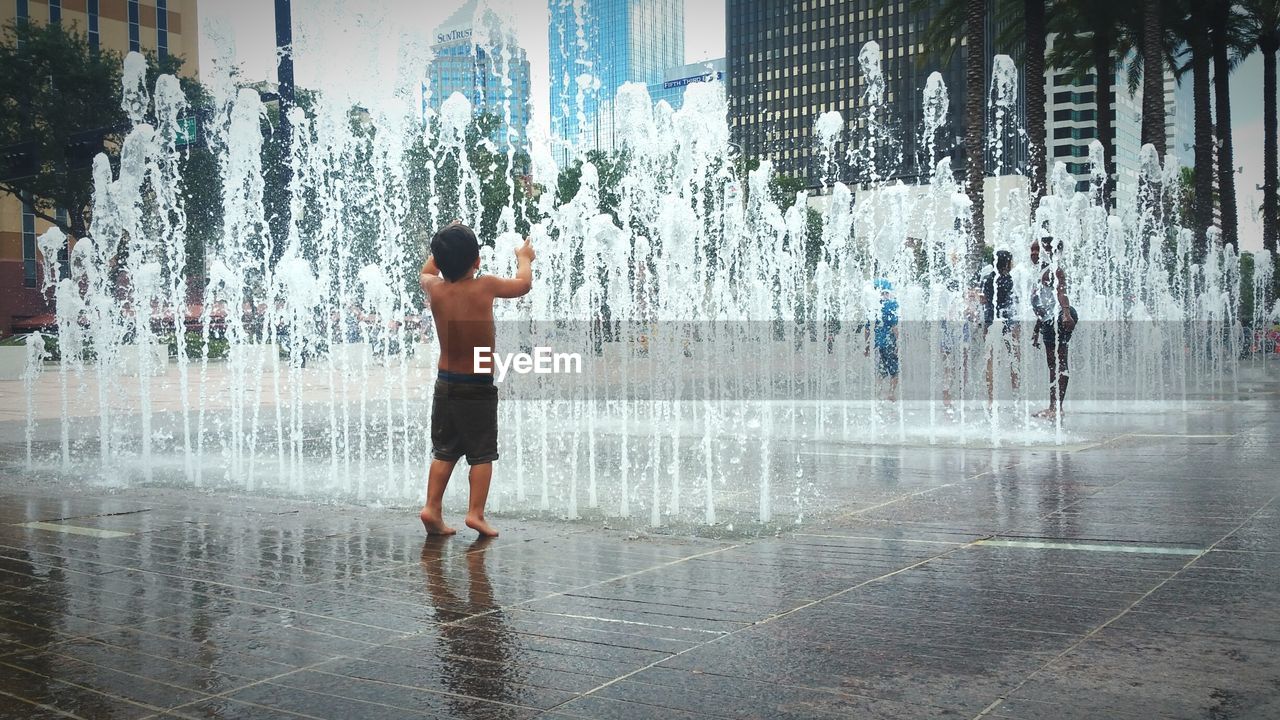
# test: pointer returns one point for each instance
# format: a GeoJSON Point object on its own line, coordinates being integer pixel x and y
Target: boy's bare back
{"type": "Point", "coordinates": [463, 309]}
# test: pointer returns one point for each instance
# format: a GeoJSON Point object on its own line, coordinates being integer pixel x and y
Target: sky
{"type": "Point", "coordinates": [361, 47]}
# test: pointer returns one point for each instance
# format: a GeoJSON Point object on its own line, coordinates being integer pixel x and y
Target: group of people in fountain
{"type": "Point", "coordinates": [989, 319]}
{"type": "Point", "coordinates": [464, 411]}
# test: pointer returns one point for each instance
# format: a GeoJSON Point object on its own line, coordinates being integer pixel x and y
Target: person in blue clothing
{"type": "Point", "coordinates": [885, 330]}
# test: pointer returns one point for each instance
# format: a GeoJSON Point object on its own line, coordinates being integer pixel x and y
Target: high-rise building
{"type": "Point", "coordinates": [790, 61]}
{"type": "Point", "coordinates": [675, 80]}
{"type": "Point", "coordinates": [476, 55]}
{"type": "Point", "coordinates": [1072, 110]}
{"type": "Point", "coordinates": [595, 47]}
{"type": "Point", "coordinates": [162, 27]}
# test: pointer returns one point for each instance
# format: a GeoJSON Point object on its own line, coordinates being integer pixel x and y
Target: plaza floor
{"type": "Point", "coordinates": [1133, 577]}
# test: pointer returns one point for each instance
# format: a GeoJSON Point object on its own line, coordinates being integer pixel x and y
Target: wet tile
{"type": "Point", "coordinates": [739, 698]}
{"type": "Point", "coordinates": [456, 692]}
{"type": "Point", "coordinates": [65, 684]}
{"type": "Point", "coordinates": [227, 709]}
{"type": "Point", "coordinates": [66, 701]}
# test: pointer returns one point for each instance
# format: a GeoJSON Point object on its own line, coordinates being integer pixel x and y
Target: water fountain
{"type": "Point", "coordinates": [725, 337]}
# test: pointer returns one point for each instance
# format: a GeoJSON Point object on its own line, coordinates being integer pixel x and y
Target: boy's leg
{"type": "Point", "coordinates": [1064, 373]}
{"type": "Point", "coordinates": [480, 476]}
{"type": "Point", "coordinates": [433, 514]}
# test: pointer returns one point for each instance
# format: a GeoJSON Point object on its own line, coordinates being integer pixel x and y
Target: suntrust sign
{"type": "Point", "coordinates": [452, 35]}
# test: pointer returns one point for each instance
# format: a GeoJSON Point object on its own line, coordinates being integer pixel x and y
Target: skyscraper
{"type": "Point", "coordinates": [476, 55]}
{"type": "Point", "coordinates": [596, 46]}
{"type": "Point", "coordinates": [790, 61]}
{"type": "Point", "coordinates": [1071, 116]}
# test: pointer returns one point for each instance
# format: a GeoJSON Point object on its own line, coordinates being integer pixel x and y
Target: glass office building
{"type": "Point", "coordinates": [790, 61]}
{"type": "Point", "coordinates": [595, 47]}
{"type": "Point", "coordinates": [476, 56]}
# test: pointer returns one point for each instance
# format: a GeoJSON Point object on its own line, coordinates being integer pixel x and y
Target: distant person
{"type": "Point", "coordinates": [885, 331]}
{"type": "Point", "coordinates": [998, 307]}
{"type": "Point", "coordinates": [1055, 321]}
{"type": "Point", "coordinates": [464, 410]}
{"type": "Point", "coordinates": [958, 330]}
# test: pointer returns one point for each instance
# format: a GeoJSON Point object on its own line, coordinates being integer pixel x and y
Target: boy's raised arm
{"type": "Point", "coordinates": [522, 283]}
{"type": "Point", "coordinates": [429, 273]}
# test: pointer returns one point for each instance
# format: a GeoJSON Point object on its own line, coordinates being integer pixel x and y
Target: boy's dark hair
{"type": "Point", "coordinates": [1004, 261]}
{"type": "Point", "coordinates": [455, 249]}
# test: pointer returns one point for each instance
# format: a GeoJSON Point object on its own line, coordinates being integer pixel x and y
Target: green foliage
{"type": "Point", "coordinates": [55, 89]}
{"type": "Point", "coordinates": [436, 190]}
{"type": "Point", "coordinates": [611, 167]}
{"type": "Point", "coordinates": [945, 29]}
{"type": "Point", "coordinates": [219, 347]}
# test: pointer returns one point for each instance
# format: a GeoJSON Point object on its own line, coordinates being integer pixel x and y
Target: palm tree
{"type": "Point", "coordinates": [1087, 33]}
{"type": "Point", "coordinates": [1153, 53]}
{"type": "Point", "coordinates": [1228, 49]}
{"type": "Point", "coordinates": [975, 116]}
{"type": "Point", "coordinates": [1187, 24]}
{"type": "Point", "coordinates": [1034, 37]}
{"type": "Point", "coordinates": [1263, 18]}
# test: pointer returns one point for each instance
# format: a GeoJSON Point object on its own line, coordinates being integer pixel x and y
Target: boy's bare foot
{"type": "Point", "coordinates": [479, 525]}
{"type": "Point", "coordinates": [434, 523]}
{"type": "Point", "coordinates": [1047, 414]}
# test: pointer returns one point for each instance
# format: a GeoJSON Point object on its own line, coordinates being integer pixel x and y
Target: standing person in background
{"type": "Point", "coordinates": [998, 302]}
{"type": "Point", "coordinates": [885, 331]}
{"type": "Point", "coordinates": [1055, 320]}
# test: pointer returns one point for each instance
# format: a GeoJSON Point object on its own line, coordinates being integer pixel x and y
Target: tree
{"type": "Point", "coordinates": [1088, 32]}
{"type": "Point", "coordinates": [975, 112]}
{"type": "Point", "coordinates": [1023, 26]}
{"type": "Point", "coordinates": [1263, 27]}
{"type": "Point", "coordinates": [611, 167]}
{"type": "Point", "coordinates": [1153, 54]}
{"type": "Point", "coordinates": [1187, 26]}
{"type": "Point", "coordinates": [58, 99]}
{"type": "Point", "coordinates": [1035, 20]}
{"type": "Point", "coordinates": [60, 107]}
{"type": "Point", "coordinates": [1224, 37]}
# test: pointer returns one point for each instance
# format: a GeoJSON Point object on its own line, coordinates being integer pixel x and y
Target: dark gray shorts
{"type": "Point", "coordinates": [464, 421]}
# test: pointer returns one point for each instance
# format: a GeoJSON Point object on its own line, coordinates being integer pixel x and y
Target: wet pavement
{"type": "Point", "coordinates": [1137, 577]}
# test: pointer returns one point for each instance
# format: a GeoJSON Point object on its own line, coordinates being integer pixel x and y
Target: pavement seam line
{"type": "Point", "coordinates": [852, 514]}
{"type": "Point", "coordinates": [616, 578]}
{"type": "Point", "coordinates": [765, 621]}
{"type": "Point", "coordinates": [225, 694]}
{"type": "Point", "coordinates": [1089, 636]}
{"type": "Point", "coordinates": [41, 705]}
{"type": "Point", "coordinates": [148, 706]}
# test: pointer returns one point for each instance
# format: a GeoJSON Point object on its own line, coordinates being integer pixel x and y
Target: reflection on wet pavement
{"type": "Point", "coordinates": [1136, 578]}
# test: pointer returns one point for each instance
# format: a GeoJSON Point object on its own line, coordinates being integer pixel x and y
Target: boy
{"type": "Point", "coordinates": [464, 411]}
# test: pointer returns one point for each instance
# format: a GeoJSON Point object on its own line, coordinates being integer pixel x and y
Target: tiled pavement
{"type": "Point", "coordinates": [1139, 578]}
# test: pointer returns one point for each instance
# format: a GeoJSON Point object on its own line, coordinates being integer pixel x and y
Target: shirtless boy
{"type": "Point", "coordinates": [464, 411]}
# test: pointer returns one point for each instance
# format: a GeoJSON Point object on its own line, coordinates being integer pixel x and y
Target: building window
{"type": "Point", "coordinates": [22, 10]}
{"type": "Point", "coordinates": [162, 28]}
{"type": "Point", "coordinates": [93, 24]}
{"type": "Point", "coordinates": [29, 277]}
{"type": "Point", "coordinates": [55, 11]}
{"type": "Point", "coordinates": [135, 37]}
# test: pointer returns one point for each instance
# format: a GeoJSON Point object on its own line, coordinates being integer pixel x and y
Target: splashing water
{"type": "Point", "coordinates": [307, 366]}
